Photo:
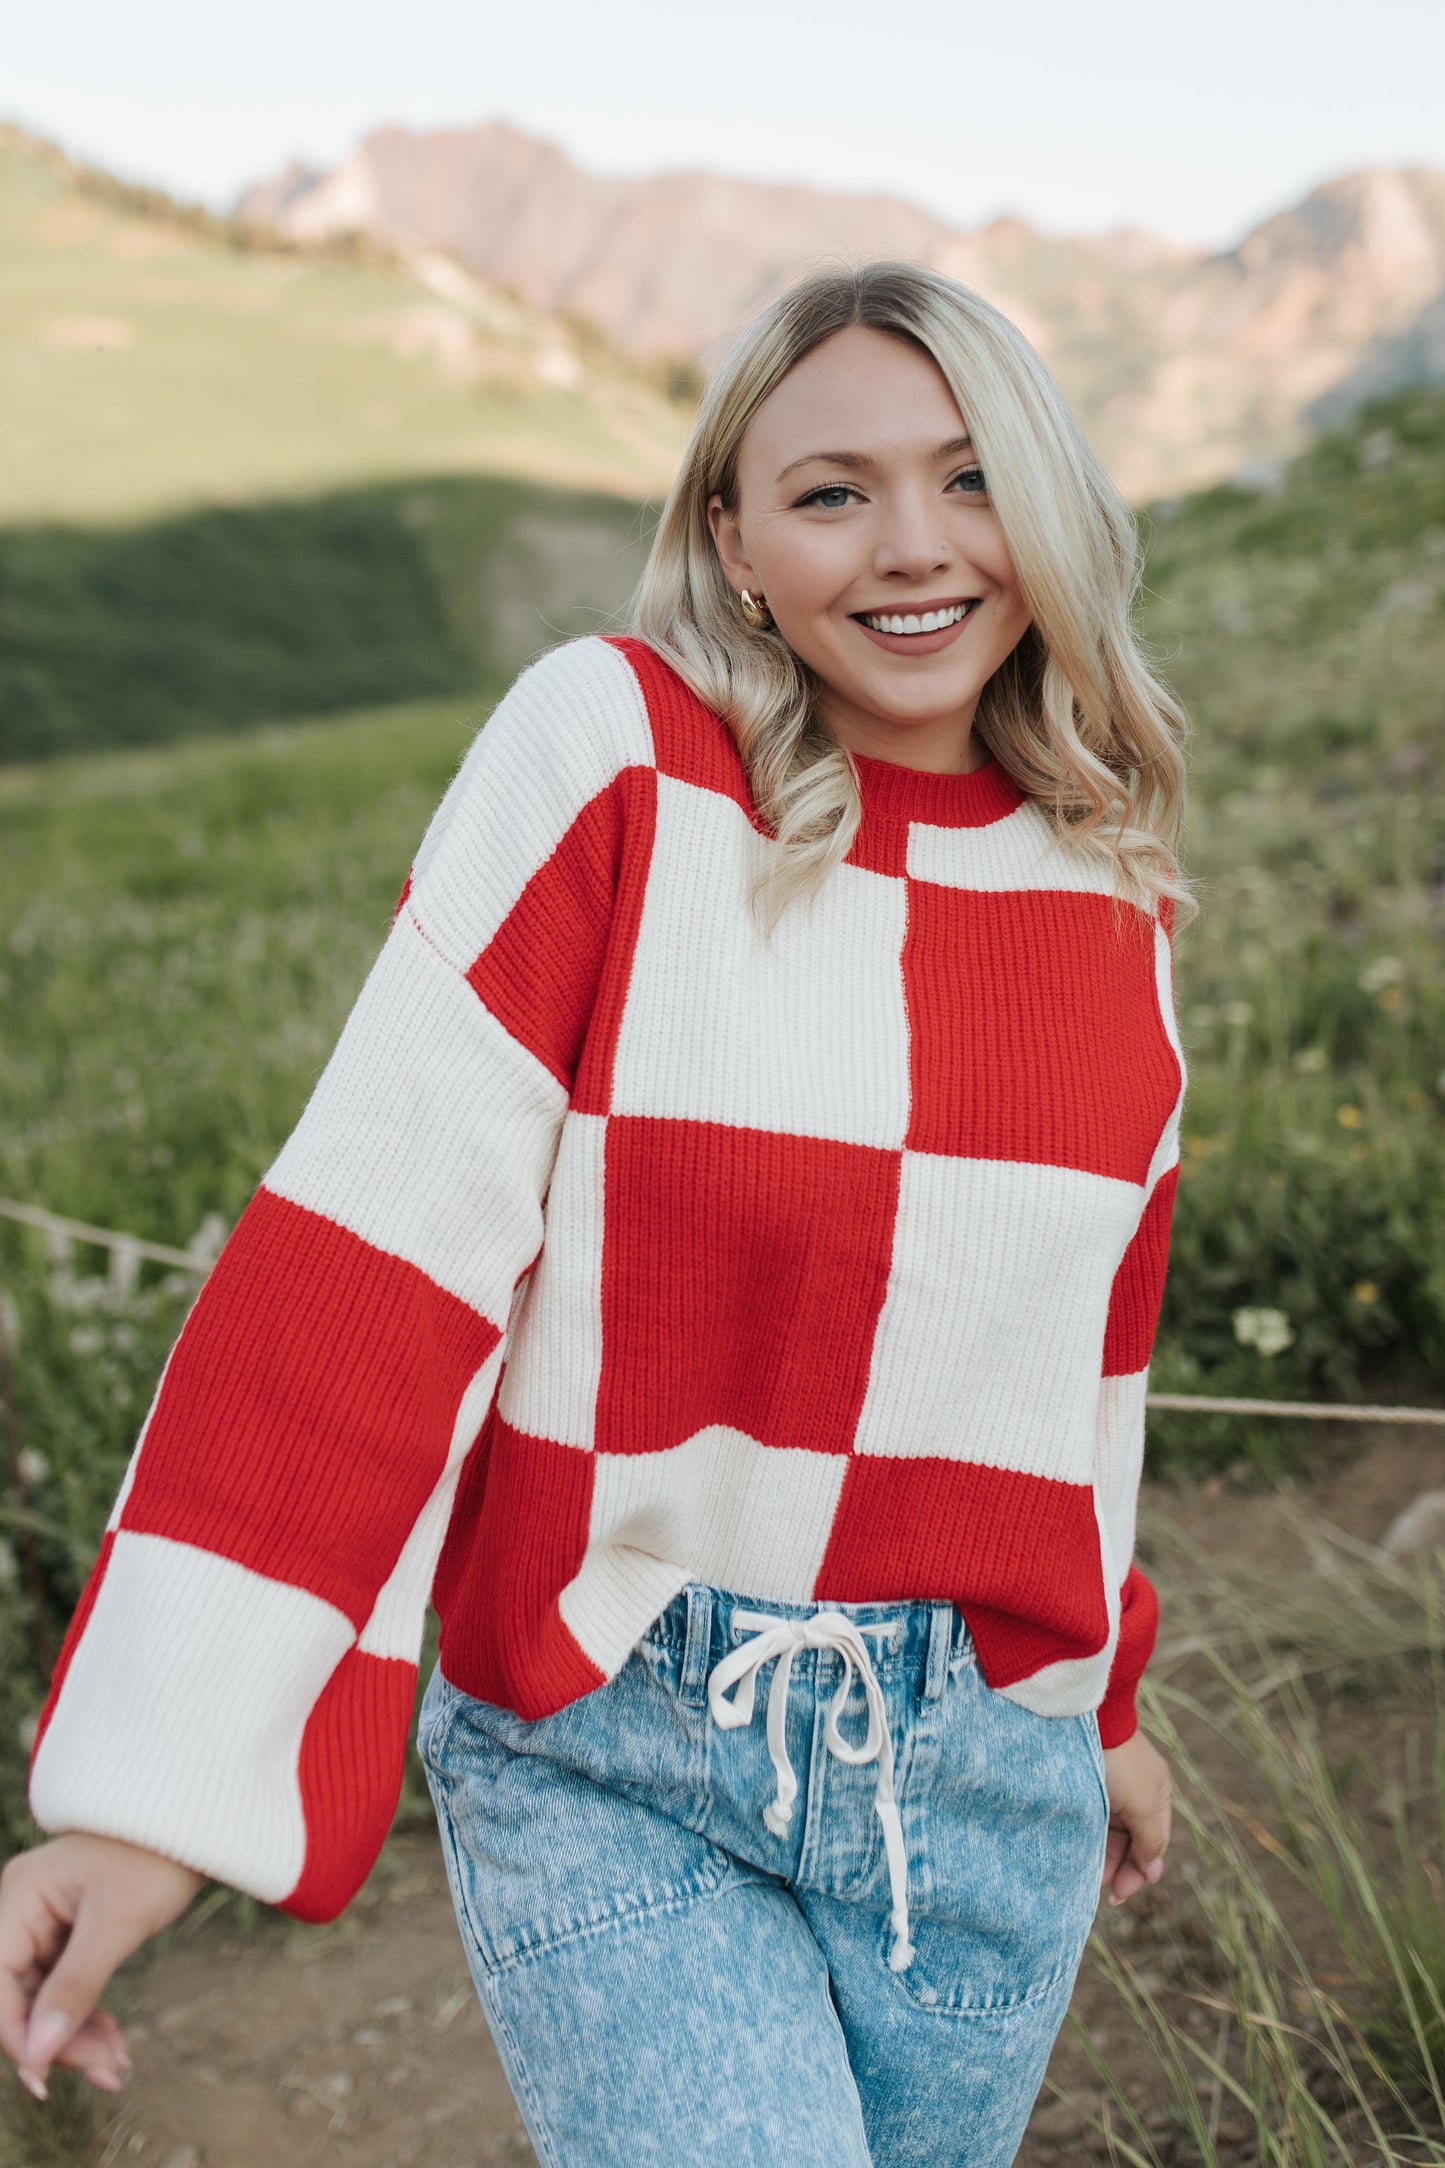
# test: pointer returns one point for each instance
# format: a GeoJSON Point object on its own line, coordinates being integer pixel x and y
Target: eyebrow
{"type": "Point", "coordinates": [859, 462]}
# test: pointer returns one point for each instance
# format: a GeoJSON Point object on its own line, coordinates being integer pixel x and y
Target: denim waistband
{"type": "Point", "coordinates": [698, 1628]}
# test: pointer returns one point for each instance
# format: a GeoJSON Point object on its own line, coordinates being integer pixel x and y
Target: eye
{"type": "Point", "coordinates": [831, 497]}
{"type": "Point", "coordinates": [972, 482]}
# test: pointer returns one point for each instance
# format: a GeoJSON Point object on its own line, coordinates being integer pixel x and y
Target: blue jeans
{"type": "Point", "coordinates": [701, 1939]}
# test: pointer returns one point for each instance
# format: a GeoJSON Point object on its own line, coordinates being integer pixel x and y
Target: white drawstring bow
{"type": "Point", "coordinates": [780, 1639]}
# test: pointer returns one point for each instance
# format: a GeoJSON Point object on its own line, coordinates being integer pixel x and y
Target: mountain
{"type": "Point", "coordinates": [155, 359]}
{"type": "Point", "coordinates": [1184, 364]}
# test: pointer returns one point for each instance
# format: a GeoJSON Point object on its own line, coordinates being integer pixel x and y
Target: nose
{"type": "Point", "coordinates": [913, 543]}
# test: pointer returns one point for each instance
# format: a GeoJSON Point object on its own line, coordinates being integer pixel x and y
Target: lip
{"type": "Point", "coordinates": [919, 643]}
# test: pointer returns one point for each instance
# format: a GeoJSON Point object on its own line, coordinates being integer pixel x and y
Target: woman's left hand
{"type": "Point", "coordinates": [1136, 1777]}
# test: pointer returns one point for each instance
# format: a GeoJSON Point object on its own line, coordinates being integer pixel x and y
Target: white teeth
{"type": "Point", "coordinates": [928, 621]}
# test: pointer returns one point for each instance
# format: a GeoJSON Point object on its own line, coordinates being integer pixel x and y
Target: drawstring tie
{"type": "Point", "coordinates": [780, 1639]}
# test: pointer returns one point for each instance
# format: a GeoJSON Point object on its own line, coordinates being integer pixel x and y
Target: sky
{"type": "Point", "coordinates": [1193, 121]}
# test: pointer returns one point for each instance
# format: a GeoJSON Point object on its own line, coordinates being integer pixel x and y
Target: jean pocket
{"type": "Point", "coordinates": [547, 1844]}
{"type": "Point", "coordinates": [1008, 1837]}
{"type": "Point", "coordinates": [1090, 1722]}
{"type": "Point", "coordinates": [435, 1719]}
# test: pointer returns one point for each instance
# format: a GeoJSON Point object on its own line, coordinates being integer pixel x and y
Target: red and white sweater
{"type": "Point", "coordinates": [616, 1248]}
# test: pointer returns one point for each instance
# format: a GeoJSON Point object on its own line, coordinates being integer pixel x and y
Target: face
{"type": "Point", "coordinates": [863, 518]}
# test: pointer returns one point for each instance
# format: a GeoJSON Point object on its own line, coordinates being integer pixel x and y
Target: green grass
{"type": "Point", "coordinates": [220, 619]}
{"type": "Point", "coordinates": [1292, 1991]}
{"type": "Point", "coordinates": [1305, 631]}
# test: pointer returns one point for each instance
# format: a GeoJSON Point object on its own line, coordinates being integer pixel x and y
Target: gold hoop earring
{"type": "Point", "coordinates": [756, 614]}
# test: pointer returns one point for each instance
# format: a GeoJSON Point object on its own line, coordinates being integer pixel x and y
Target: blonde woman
{"type": "Point", "coordinates": [720, 1264]}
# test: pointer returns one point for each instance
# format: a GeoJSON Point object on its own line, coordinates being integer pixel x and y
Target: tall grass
{"type": "Point", "coordinates": [1294, 2004]}
{"type": "Point", "coordinates": [1305, 629]}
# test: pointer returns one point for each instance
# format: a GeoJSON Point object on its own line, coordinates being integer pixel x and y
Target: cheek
{"type": "Point", "coordinates": [803, 570]}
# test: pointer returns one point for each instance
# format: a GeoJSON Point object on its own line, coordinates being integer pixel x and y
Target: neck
{"type": "Point", "coordinates": [936, 745]}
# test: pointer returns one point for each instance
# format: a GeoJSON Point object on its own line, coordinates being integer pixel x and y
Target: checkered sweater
{"type": "Point", "coordinates": [618, 1247]}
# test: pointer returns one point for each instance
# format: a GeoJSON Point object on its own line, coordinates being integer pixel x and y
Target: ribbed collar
{"type": "Point", "coordinates": [892, 792]}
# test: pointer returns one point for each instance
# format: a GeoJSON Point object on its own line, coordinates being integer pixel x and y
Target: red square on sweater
{"type": "Point", "coordinates": [1035, 1030]}
{"type": "Point", "coordinates": [743, 1275]}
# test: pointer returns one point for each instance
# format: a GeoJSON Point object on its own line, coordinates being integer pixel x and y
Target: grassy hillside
{"type": "Point", "coordinates": [223, 618]}
{"type": "Point", "coordinates": [1305, 628]}
{"type": "Point", "coordinates": [185, 928]}
{"type": "Point", "coordinates": [151, 360]}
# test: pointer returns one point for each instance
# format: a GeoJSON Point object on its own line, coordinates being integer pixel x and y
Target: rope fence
{"type": "Point", "coordinates": [1309, 1411]}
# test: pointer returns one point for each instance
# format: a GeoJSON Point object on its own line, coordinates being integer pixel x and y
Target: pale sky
{"type": "Point", "coordinates": [1192, 120]}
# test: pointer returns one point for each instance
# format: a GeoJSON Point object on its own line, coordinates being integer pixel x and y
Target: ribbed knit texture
{"type": "Point", "coordinates": [619, 1247]}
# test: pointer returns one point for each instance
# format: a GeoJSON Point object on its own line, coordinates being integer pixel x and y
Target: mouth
{"type": "Point", "coordinates": [908, 624]}
{"type": "Point", "coordinates": [922, 630]}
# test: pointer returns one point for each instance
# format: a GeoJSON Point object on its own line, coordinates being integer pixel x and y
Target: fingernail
{"type": "Point", "coordinates": [109, 2081]}
{"type": "Point", "coordinates": [36, 2087]}
{"type": "Point", "coordinates": [1154, 1869]}
{"type": "Point", "coordinates": [47, 2036]}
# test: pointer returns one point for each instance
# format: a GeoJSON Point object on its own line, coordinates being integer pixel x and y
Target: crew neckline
{"type": "Point", "coordinates": [892, 792]}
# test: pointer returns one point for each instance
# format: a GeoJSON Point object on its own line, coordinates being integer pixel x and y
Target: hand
{"type": "Point", "coordinates": [70, 1912]}
{"type": "Point", "coordinates": [1136, 1777]}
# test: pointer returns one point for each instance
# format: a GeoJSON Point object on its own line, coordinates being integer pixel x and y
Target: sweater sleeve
{"type": "Point", "coordinates": [1134, 1305]}
{"type": "Point", "coordinates": [236, 1687]}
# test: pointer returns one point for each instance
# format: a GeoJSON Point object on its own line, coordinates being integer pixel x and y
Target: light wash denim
{"type": "Point", "coordinates": [682, 1967]}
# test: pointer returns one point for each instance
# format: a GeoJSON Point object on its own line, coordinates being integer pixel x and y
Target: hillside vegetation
{"type": "Point", "coordinates": [226, 617]}
{"type": "Point", "coordinates": [1305, 629]}
{"type": "Point", "coordinates": [154, 360]}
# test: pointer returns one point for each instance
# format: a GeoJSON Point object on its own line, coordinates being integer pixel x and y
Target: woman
{"type": "Point", "coordinates": [720, 1260]}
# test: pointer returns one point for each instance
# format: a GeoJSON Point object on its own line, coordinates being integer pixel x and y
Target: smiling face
{"type": "Point", "coordinates": [863, 517]}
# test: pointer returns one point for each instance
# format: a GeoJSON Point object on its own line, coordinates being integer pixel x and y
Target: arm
{"type": "Point", "coordinates": [235, 1690]}
{"type": "Point", "coordinates": [1134, 1304]}
{"type": "Point", "coordinates": [1133, 1319]}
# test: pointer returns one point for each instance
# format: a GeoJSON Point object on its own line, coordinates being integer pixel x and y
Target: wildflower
{"type": "Point", "coordinates": [1365, 1291]}
{"type": "Point", "coordinates": [1349, 1117]}
{"type": "Point", "coordinates": [33, 1467]}
{"type": "Point", "coordinates": [1392, 998]}
{"type": "Point", "coordinates": [1382, 972]}
{"type": "Point", "coordinates": [1310, 1060]}
{"type": "Point", "coordinates": [1267, 1330]}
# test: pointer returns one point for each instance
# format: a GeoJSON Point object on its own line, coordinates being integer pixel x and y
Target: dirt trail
{"type": "Point", "coordinates": [361, 2045]}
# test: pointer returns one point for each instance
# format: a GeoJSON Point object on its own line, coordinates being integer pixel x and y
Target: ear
{"type": "Point", "coordinates": [728, 542]}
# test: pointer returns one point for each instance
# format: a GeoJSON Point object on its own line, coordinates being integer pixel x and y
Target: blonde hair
{"type": "Point", "coordinates": [1075, 714]}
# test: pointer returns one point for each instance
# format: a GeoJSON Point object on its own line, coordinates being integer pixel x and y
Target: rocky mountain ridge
{"type": "Point", "coordinates": [1185, 364]}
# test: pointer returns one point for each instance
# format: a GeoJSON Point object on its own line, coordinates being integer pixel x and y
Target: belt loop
{"type": "Point", "coordinates": [940, 1638]}
{"type": "Point", "coordinates": [692, 1684]}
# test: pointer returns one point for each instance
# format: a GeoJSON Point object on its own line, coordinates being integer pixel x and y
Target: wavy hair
{"type": "Point", "coordinates": [1075, 714]}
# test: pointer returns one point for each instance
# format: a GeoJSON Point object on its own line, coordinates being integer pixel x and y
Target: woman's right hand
{"type": "Point", "coordinates": [71, 1911]}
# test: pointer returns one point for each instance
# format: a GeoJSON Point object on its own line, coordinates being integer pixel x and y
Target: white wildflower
{"type": "Point", "coordinates": [1267, 1330]}
{"type": "Point", "coordinates": [1382, 972]}
{"type": "Point", "coordinates": [33, 1466]}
